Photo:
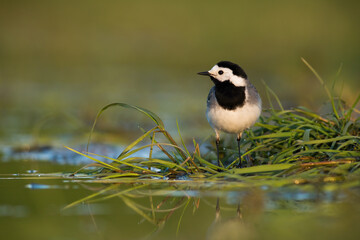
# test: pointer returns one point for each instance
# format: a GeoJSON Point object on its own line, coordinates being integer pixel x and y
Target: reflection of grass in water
{"type": "Point", "coordinates": [295, 145]}
{"type": "Point", "coordinates": [169, 201]}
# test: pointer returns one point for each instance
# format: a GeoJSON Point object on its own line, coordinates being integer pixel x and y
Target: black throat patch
{"type": "Point", "coordinates": [228, 95]}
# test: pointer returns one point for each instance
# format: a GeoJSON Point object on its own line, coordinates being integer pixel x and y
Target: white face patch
{"type": "Point", "coordinates": [222, 74]}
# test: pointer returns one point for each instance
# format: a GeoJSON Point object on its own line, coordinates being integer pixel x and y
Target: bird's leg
{"type": "Point", "coordinates": [217, 148]}
{"type": "Point", "coordinates": [238, 141]}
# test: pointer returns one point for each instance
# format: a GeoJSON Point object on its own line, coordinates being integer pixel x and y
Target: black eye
{"type": "Point", "coordinates": [220, 72]}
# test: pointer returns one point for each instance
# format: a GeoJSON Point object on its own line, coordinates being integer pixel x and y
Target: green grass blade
{"type": "Point", "coordinates": [268, 96]}
{"type": "Point", "coordinates": [319, 128]}
{"type": "Point", "coordinates": [354, 154]}
{"type": "Point", "coordinates": [283, 156]}
{"type": "Point", "coordinates": [346, 128]}
{"type": "Point", "coordinates": [262, 168]}
{"type": "Point", "coordinates": [329, 140]}
{"type": "Point", "coordinates": [337, 75]}
{"type": "Point", "coordinates": [165, 163]}
{"type": "Point", "coordinates": [350, 143]}
{"type": "Point", "coordinates": [149, 145]}
{"type": "Point", "coordinates": [152, 145]}
{"type": "Point", "coordinates": [306, 136]}
{"type": "Point", "coordinates": [148, 113]}
{"type": "Point", "coordinates": [172, 141]}
{"type": "Point", "coordinates": [121, 175]}
{"type": "Point", "coordinates": [266, 126]}
{"type": "Point", "coordinates": [182, 141]}
{"type": "Point", "coordinates": [94, 159]}
{"type": "Point", "coordinates": [208, 164]}
{"type": "Point", "coordinates": [274, 95]}
{"type": "Point", "coordinates": [134, 143]}
{"type": "Point", "coordinates": [123, 162]}
{"type": "Point", "coordinates": [320, 150]}
{"type": "Point", "coordinates": [350, 111]}
{"type": "Point", "coordinates": [331, 98]}
{"type": "Point", "coordinates": [310, 114]}
{"type": "Point", "coordinates": [276, 135]}
{"type": "Point", "coordinates": [242, 157]}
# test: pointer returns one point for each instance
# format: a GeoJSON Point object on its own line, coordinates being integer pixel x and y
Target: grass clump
{"type": "Point", "coordinates": [298, 144]}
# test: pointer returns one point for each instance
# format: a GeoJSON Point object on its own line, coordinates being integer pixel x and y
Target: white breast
{"type": "Point", "coordinates": [233, 121]}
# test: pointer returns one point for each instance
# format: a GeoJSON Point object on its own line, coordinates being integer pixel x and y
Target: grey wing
{"type": "Point", "coordinates": [254, 97]}
{"type": "Point", "coordinates": [211, 100]}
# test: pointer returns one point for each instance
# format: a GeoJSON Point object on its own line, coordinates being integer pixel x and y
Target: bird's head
{"type": "Point", "coordinates": [227, 71]}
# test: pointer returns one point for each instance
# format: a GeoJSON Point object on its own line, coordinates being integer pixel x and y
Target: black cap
{"type": "Point", "coordinates": [236, 69]}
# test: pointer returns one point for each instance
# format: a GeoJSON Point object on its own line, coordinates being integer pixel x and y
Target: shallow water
{"type": "Point", "coordinates": [33, 206]}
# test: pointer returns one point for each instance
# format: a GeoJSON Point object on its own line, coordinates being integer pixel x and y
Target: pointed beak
{"type": "Point", "coordinates": [204, 73]}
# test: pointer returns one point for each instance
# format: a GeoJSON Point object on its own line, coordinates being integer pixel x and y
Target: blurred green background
{"type": "Point", "coordinates": [70, 58]}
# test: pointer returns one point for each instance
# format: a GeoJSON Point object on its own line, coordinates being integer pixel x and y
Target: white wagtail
{"type": "Point", "coordinates": [233, 104]}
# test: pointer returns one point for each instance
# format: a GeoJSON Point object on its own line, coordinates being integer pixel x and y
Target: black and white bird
{"type": "Point", "coordinates": [233, 104]}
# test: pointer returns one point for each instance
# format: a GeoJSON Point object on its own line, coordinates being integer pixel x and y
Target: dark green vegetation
{"type": "Point", "coordinates": [296, 145]}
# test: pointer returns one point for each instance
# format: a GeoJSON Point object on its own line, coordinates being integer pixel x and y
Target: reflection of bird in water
{"type": "Point", "coordinates": [217, 213]}
{"type": "Point", "coordinates": [230, 228]}
{"type": "Point", "coordinates": [238, 227]}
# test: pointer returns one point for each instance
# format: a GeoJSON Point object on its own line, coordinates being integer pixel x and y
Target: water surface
{"type": "Point", "coordinates": [35, 205]}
